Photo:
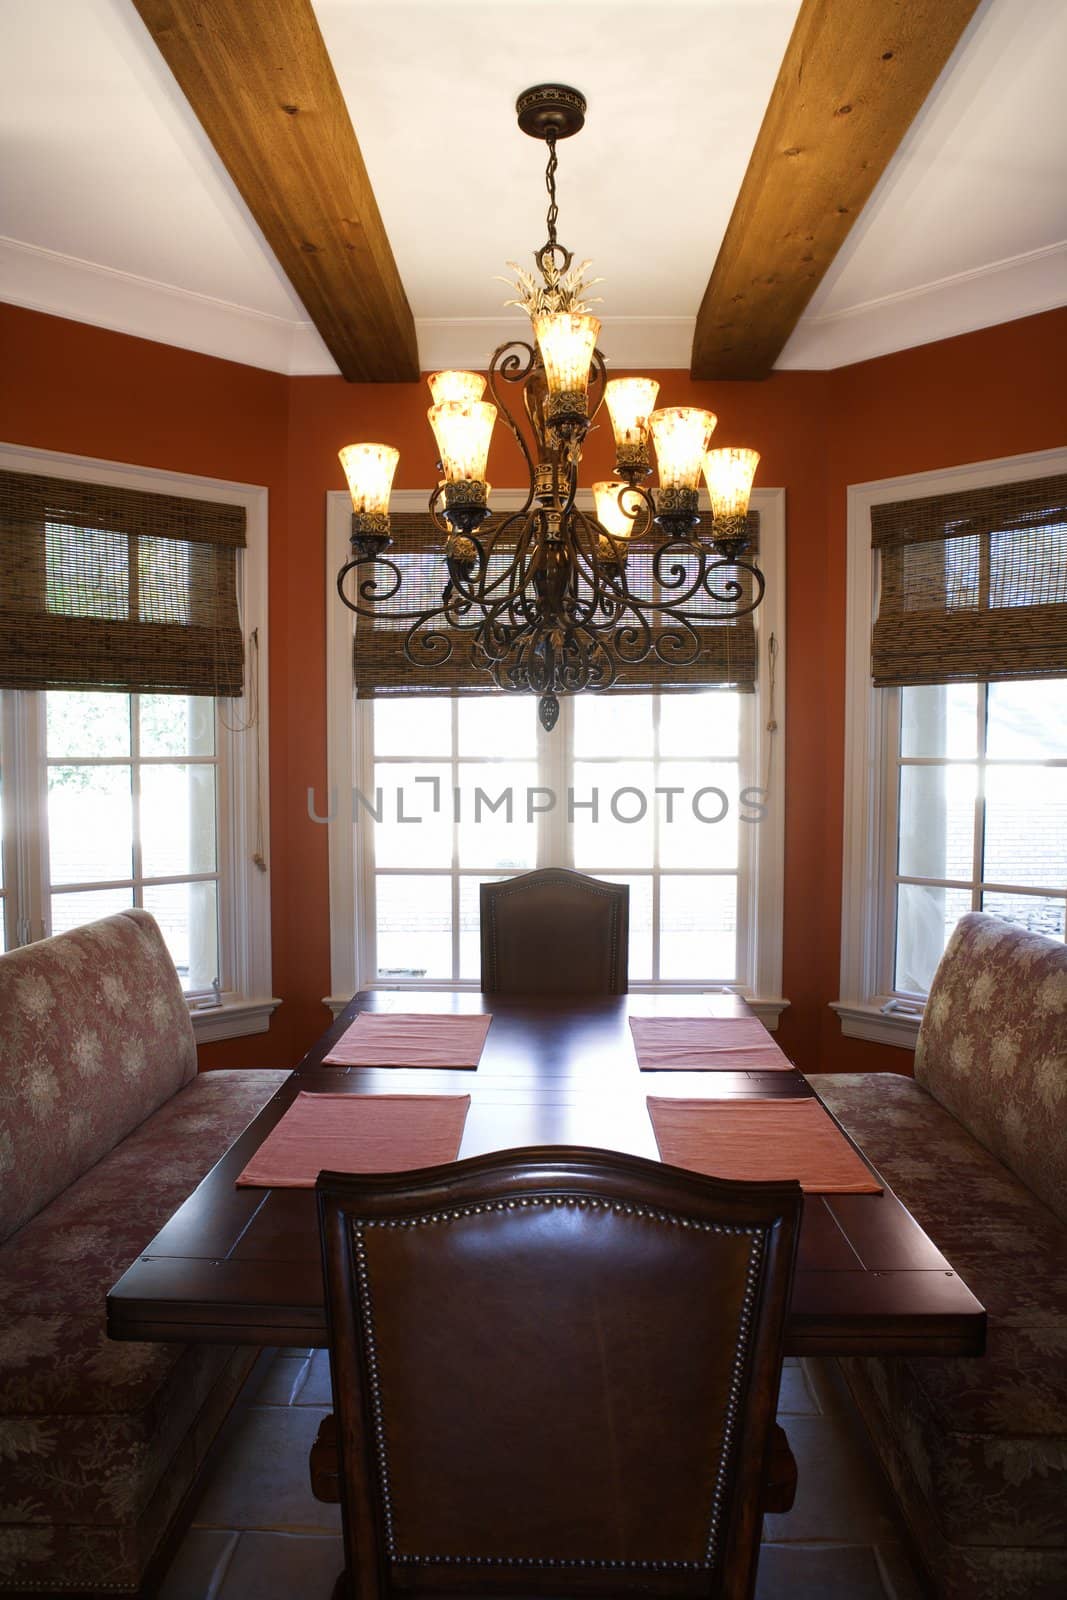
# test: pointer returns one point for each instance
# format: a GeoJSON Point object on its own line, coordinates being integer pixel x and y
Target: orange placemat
{"type": "Point", "coordinates": [760, 1140]}
{"type": "Point", "coordinates": [411, 1039]}
{"type": "Point", "coordinates": [357, 1133]}
{"type": "Point", "coordinates": [704, 1044]}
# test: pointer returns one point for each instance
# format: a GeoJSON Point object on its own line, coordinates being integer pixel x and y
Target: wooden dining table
{"type": "Point", "coordinates": [241, 1265]}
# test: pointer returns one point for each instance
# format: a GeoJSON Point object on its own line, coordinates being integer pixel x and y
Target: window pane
{"type": "Point", "coordinates": [470, 926]}
{"type": "Point", "coordinates": [86, 572]}
{"type": "Point", "coordinates": [72, 910]}
{"type": "Point", "coordinates": [188, 916]}
{"type": "Point", "coordinates": [414, 926]}
{"type": "Point", "coordinates": [81, 724]}
{"type": "Point", "coordinates": [703, 832]}
{"type": "Point", "coordinates": [937, 822]}
{"type": "Point", "coordinates": [698, 929]}
{"type": "Point", "coordinates": [612, 725]}
{"type": "Point", "coordinates": [618, 790]}
{"type": "Point", "coordinates": [699, 724]}
{"type": "Point", "coordinates": [164, 577]}
{"type": "Point", "coordinates": [177, 725]}
{"type": "Point", "coordinates": [498, 725]}
{"type": "Point", "coordinates": [1027, 721]}
{"type": "Point", "coordinates": [640, 954]}
{"type": "Point", "coordinates": [177, 820]}
{"type": "Point", "coordinates": [493, 830]}
{"type": "Point", "coordinates": [1026, 826]}
{"type": "Point", "coordinates": [925, 918]}
{"type": "Point", "coordinates": [413, 726]}
{"type": "Point", "coordinates": [1034, 912]}
{"type": "Point", "coordinates": [90, 836]}
{"type": "Point", "coordinates": [424, 837]}
{"type": "Point", "coordinates": [939, 720]}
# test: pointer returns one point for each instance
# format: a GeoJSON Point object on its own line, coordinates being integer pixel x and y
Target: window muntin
{"type": "Point", "coordinates": [980, 809]}
{"type": "Point", "coordinates": [128, 824]}
{"type": "Point", "coordinates": [493, 796]}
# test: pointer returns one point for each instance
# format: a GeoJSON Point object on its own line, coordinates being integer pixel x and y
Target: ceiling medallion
{"type": "Point", "coordinates": [543, 594]}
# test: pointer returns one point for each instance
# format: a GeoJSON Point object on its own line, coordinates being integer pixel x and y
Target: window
{"type": "Point", "coordinates": [114, 799]}
{"type": "Point", "coordinates": [956, 791]}
{"type": "Point", "coordinates": [663, 792]}
{"type": "Point", "coordinates": [981, 814]}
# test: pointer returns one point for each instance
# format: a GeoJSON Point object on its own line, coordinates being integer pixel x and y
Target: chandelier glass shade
{"type": "Point", "coordinates": [541, 597]}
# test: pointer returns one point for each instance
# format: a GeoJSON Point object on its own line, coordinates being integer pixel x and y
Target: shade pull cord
{"type": "Point", "coordinates": [771, 724]}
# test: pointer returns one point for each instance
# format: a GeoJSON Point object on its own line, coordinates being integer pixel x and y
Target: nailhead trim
{"type": "Point", "coordinates": [756, 1236]}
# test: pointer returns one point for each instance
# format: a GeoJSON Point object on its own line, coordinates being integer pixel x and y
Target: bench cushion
{"type": "Point", "coordinates": [992, 1047]}
{"type": "Point", "coordinates": [96, 1036]}
{"type": "Point", "coordinates": [97, 1435]}
{"type": "Point", "coordinates": [985, 1440]}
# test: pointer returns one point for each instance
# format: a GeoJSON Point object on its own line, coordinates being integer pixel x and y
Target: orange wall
{"type": "Point", "coordinates": [67, 387]}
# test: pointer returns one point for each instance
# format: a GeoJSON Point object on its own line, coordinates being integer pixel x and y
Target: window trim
{"type": "Point", "coordinates": [244, 887]}
{"type": "Point", "coordinates": [865, 1009]}
{"type": "Point", "coordinates": [348, 866]}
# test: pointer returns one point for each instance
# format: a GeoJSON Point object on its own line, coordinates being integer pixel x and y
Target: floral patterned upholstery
{"type": "Point", "coordinates": [96, 1035]}
{"type": "Point", "coordinates": [993, 1047]}
{"type": "Point", "coordinates": [977, 1448]}
{"type": "Point", "coordinates": [99, 1441]}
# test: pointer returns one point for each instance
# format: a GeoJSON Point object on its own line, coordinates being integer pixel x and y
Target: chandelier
{"type": "Point", "coordinates": [542, 597]}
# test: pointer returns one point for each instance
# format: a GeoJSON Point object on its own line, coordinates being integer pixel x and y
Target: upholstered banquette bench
{"type": "Point", "coordinates": [976, 1147]}
{"type": "Point", "coordinates": [105, 1128]}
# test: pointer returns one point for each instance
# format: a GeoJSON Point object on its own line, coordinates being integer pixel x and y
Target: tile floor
{"type": "Point", "coordinates": [259, 1534]}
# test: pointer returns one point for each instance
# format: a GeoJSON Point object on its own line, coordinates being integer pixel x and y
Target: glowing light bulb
{"type": "Point", "coordinates": [609, 513]}
{"type": "Point", "coordinates": [369, 469]}
{"type": "Point", "coordinates": [729, 475]}
{"type": "Point", "coordinates": [630, 403]}
{"type": "Point", "coordinates": [456, 386]}
{"type": "Point", "coordinates": [463, 429]}
{"type": "Point", "coordinates": [567, 341]}
{"type": "Point", "coordinates": [680, 435]}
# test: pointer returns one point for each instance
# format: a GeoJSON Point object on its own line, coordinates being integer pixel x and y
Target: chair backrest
{"type": "Point", "coordinates": [555, 932]}
{"type": "Point", "coordinates": [555, 1372]}
{"type": "Point", "coordinates": [992, 1047]}
{"type": "Point", "coordinates": [95, 1035]}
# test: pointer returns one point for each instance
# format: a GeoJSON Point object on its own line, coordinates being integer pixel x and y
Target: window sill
{"type": "Point", "coordinates": [768, 1011]}
{"type": "Point", "coordinates": [871, 1022]}
{"type": "Point", "coordinates": [233, 1019]}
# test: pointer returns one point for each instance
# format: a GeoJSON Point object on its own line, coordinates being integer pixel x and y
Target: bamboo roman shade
{"type": "Point", "coordinates": [109, 588]}
{"type": "Point", "coordinates": [727, 644]}
{"type": "Point", "coordinates": [973, 585]}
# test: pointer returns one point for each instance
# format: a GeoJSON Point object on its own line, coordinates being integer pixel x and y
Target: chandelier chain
{"type": "Point", "coordinates": [550, 184]}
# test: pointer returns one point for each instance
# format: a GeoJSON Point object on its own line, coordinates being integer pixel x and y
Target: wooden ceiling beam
{"type": "Point", "coordinates": [854, 75]}
{"type": "Point", "coordinates": [258, 76]}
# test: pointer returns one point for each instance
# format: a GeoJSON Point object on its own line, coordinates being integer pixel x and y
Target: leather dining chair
{"type": "Point", "coordinates": [554, 932]}
{"type": "Point", "coordinates": [555, 1373]}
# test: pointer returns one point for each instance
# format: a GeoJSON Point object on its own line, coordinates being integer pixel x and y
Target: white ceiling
{"type": "Point", "coordinates": [115, 210]}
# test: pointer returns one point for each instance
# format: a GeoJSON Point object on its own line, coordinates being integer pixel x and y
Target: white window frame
{"type": "Point", "coordinates": [760, 911]}
{"type": "Point", "coordinates": [245, 1003]}
{"type": "Point", "coordinates": [867, 1007]}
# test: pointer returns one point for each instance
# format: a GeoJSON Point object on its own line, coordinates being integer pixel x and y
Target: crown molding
{"type": "Point", "coordinates": [1020, 286]}
{"type": "Point", "coordinates": [65, 286]}
{"type": "Point", "coordinates": [104, 297]}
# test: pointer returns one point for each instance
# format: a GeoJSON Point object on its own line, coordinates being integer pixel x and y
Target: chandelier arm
{"type": "Point", "coordinates": [431, 648]}
{"type": "Point", "coordinates": [434, 509]}
{"type": "Point", "coordinates": [734, 590]}
{"type": "Point", "coordinates": [679, 575]}
{"type": "Point", "coordinates": [368, 591]}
